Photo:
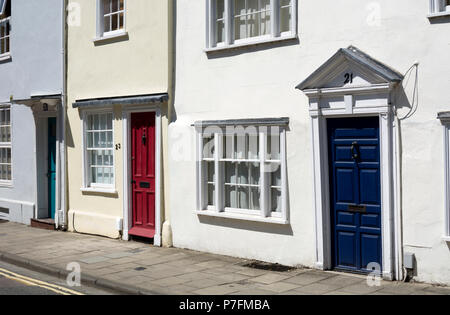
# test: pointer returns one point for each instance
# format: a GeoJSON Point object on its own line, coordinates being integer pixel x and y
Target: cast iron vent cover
{"type": "Point", "coordinates": [267, 266]}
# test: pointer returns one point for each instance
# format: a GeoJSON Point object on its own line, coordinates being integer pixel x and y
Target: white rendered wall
{"type": "Point", "coordinates": [259, 82]}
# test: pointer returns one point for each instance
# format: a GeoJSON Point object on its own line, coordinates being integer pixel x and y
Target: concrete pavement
{"type": "Point", "coordinates": [137, 268]}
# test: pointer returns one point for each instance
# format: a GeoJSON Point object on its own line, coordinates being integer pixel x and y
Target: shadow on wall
{"type": "Point", "coordinates": [251, 48]}
{"type": "Point", "coordinates": [248, 225]}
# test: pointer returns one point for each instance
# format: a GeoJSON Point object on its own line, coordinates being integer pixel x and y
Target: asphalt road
{"type": "Point", "coordinates": [19, 281]}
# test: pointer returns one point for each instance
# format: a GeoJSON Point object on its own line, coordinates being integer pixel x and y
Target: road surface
{"type": "Point", "coordinates": [19, 281]}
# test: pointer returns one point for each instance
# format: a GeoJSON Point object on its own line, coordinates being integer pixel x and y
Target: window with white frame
{"type": "Point", "coordinates": [5, 26]}
{"type": "Point", "coordinates": [439, 7]}
{"type": "Point", "coordinates": [5, 145]}
{"type": "Point", "coordinates": [242, 171]}
{"type": "Point", "coordinates": [111, 19]}
{"type": "Point", "coordinates": [99, 150]}
{"type": "Point", "coordinates": [234, 22]}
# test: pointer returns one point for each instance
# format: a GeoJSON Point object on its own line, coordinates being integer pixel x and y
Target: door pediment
{"type": "Point", "coordinates": [350, 68]}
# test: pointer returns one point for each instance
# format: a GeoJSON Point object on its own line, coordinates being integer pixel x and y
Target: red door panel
{"type": "Point", "coordinates": [143, 174]}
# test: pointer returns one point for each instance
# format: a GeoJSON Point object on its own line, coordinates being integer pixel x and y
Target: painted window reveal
{"type": "Point", "coordinates": [245, 21]}
{"type": "Point", "coordinates": [439, 6]}
{"type": "Point", "coordinates": [5, 145]}
{"type": "Point", "coordinates": [113, 16]}
{"type": "Point", "coordinates": [100, 150]}
{"type": "Point", "coordinates": [5, 27]}
{"type": "Point", "coordinates": [245, 174]}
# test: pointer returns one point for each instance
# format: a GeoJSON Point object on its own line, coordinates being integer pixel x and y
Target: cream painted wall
{"type": "Point", "coordinates": [137, 65]}
{"type": "Point", "coordinates": [259, 82]}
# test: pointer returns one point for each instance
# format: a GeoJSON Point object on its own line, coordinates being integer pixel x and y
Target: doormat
{"type": "Point", "coordinates": [267, 266]}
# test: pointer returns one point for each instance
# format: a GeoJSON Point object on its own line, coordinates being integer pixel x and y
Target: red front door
{"type": "Point", "coordinates": [143, 174]}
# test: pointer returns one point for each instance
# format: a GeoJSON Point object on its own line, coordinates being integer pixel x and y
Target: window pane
{"type": "Point", "coordinates": [240, 31]}
{"type": "Point", "coordinates": [107, 24]}
{"type": "Point", "coordinates": [243, 173]}
{"type": "Point", "coordinates": [220, 32]}
{"type": "Point", "coordinates": [115, 5]}
{"type": "Point", "coordinates": [106, 6]}
{"type": "Point", "coordinates": [208, 147]}
{"type": "Point", "coordinates": [211, 172]}
{"type": "Point", "coordinates": [115, 22]}
{"type": "Point", "coordinates": [243, 198]}
{"type": "Point", "coordinates": [220, 9]}
{"type": "Point", "coordinates": [211, 193]}
{"type": "Point", "coordinates": [276, 200]}
{"type": "Point", "coordinates": [230, 173]}
{"type": "Point", "coordinates": [253, 25]}
{"type": "Point", "coordinates": [254, 199]}
{"type": "Point", "coordinates": [230, 197]}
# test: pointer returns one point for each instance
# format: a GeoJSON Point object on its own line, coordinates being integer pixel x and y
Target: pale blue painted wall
{"type": "Point", "coordinates": [35, 68]}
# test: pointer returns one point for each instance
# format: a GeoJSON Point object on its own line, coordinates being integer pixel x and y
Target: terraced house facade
{"type": "Point", "coordinates": [32, 154]}
{"type": "Point", "coordinates": [303, 133]}
{"type": "Point", "coordinates": [119, 86]}
{"type": "Point", "coordinates": [316, 134]}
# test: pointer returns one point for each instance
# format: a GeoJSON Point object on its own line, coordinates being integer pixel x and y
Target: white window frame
{"type": "Point", "coordinates": [87, 185]}
{"type": "Point", "coordinates": [265, 213]}
{"type": "Point", "coordinates": [7, 22]}
{"type": "Point", "coordinates": [275, 35]}
{"type": "Point", "coordinates": [447, 179]}
{"type": "Point", "coordinates": [439, 8]}
{"type": "Point", "coordinates": [7, 145]}
{"type": "Point", "coordinates": [101, 34]}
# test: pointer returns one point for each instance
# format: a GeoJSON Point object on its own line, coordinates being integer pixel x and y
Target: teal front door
{"type": "Point", "coordinates": [51, 167]}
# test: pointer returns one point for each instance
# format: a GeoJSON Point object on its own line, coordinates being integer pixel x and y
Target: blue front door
{"type": "Point", "coordinates": [354, 151]}
{"type": "Point", "coordinates": [51, 167]}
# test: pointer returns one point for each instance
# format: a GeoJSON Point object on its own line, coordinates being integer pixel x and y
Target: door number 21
{"type": "Point", "coordinates": [348, 78]}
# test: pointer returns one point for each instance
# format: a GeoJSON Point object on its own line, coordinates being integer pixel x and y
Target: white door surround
{"type": "Point", "coordinates": [352, 84]}
{"type": "Point", "coordinates": [127, 203]}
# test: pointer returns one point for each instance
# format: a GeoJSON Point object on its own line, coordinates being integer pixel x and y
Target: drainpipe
{"type": "Point", "coordinates": [63, 177]}
{"type": "Point", "coordinates": [399, 202]}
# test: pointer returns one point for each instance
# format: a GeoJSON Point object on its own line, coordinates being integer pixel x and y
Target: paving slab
{"type": "Point", "coordinates": [140, 268]}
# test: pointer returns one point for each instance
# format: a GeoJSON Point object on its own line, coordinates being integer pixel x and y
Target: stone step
{"type": "Point", "coordinates": [44, 224]}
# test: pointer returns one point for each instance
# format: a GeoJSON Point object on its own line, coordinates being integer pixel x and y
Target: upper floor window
{"type": "Point", "coordinates": [439, 7]}
{"type": "Point", "coordinates": [111, 17]}
{"type": "Point", "coordinates": [5, 27]}
{"type": "Point", "coordinates": [237, 22]}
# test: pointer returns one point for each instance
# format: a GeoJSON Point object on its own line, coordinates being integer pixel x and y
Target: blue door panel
{"type": "Point", "coordinates": [370, 249]}
{"type": "Point", "coordinates": [370, 220]}
{"type": "Point", "coordinates": [355, 188]}
{"type": "Point", "coordinates": [347, 250]}
{"type": "Point", "coordinates": [370, 186]}
{"type": "Point", "coordinates": [345, 191]}
{"type": "Point", "coordinates": [345, 218]}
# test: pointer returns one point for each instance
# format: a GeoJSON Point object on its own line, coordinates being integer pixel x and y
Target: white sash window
{"type": "Point", "coordinates": [111, 17]}
{"type": "Point", "coordinates": [439, 7]}
{"type": "Point", "coordinates": [5, 145]}
{"type": "Point", "coordinates": [5, 27]}
{"type": "Point", "coordinates": [99, 150]}
{"type": "Point", "coordinates": [242, 172]}
{"type": "Point", "coordinates": [241, 22]}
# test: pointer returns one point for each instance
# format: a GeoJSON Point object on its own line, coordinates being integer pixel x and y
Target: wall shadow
{"type": "Point", "coordinates": [235, 51]}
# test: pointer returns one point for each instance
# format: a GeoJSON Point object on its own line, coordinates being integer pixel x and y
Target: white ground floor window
{"type": "Point", "coordinates": [5, 145]}
{"type": "Point", "coordinates": [98, 150]}
{"type": "Point", "coordinates": [242, 170]}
